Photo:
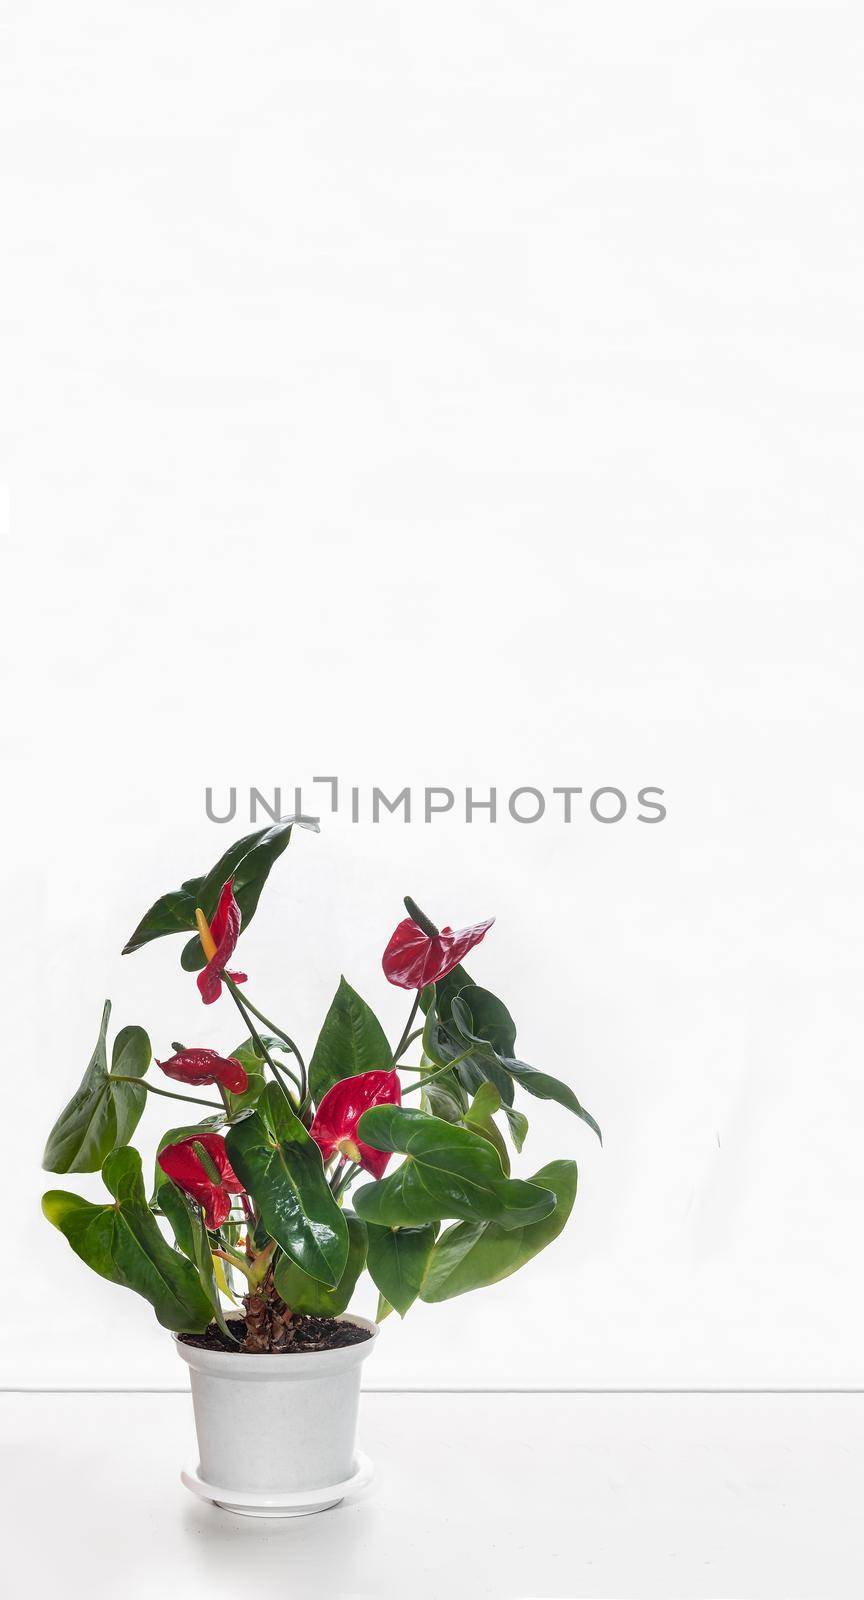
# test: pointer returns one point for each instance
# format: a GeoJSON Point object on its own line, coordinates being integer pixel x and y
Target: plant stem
{"type": "Point", "coordinates": [289, 1042]}
{"type": "Point", "coordinates": [419, 1083]}
{"type": "Point", "coordinates": [347, 1177]}
{"type": "Point", "coordinates": [191, 1099]}
{"type": "Point", "coordinates": [258, 1041]}
{"type": "Point", "coordinates": [402, 1046]}
{"type": "Point", "coordinates": [336, 1174]}
{"type": "Point", "coordinates": [417, 1034]}
{"type": "Point", "coordinates": [234, 1261]}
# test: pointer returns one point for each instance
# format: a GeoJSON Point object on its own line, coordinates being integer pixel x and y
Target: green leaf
{"type": "Point", "coordinates": [122, 1242]}
{"type": "Point", "coordinates": [202, 1260]}
{"type": "Point", "coordinates": [130, 1058]}
{"type": "Point", "coordinates": [460, 1011]}
{"type": "Point", "coordinates": [101, 1116]}
{"type": "Point", "coordinates": [397, 1260]}
{"type": "Point", "coordinates": [434, 1047]}
{"type": "Point", "coordinates": [479, 1014]}
{"type": "Point", "coordinates": [248, 1057]}
{"type": "Point", "coordinates": [480, 1017]}
{"type": "Point", "coordinates": [445, 1096]}
{"type": "Point", "coordinates": [479, 1118]}
{"type": "Point", "coordinates": [472, 1255]}
{"type": "Point", "coordinates": [352, 1040]}
{"type": "Point", "coordinates": [280, 1164]}
{"type": "Point", "coordinates": [314, 1299]}
{"type": "Point", "coordinates": [249, 861]}
{"type": "Point", "coordinates": [483, 1065]}
{"type": "Point", "coordinates": [171, 1203]}
{"type": "Point", "coordinates": [518, 1126]}
{"type": "Point", "coordinates": [443, 1042]}
{"type": "Point", "coordinates": [545, 1087]}
{"type": "Point", "coordinates": [449, 1173]}
{"type": "Point", "coordinates": [384, 1309]}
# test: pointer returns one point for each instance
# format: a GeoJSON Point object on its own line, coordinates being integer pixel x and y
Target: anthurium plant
{"type": "Point", "coordinates": [300, 1177]}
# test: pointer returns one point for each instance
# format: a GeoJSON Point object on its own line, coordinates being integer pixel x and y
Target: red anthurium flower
{"type": "Point", "coordinates": [183, 1163]}
{"type": "Point", "coordinates": [335, 1124]}
{"type": "Point", "coordinates": [206, 1066]}
{"type": "Point", "coordinates": [218, 939]}
{"type": "Point", "coordinates": [414, 958]}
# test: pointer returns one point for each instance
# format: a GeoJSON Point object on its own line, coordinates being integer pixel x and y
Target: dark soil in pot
{"type": "Point", "coordinates": [307, 1333]}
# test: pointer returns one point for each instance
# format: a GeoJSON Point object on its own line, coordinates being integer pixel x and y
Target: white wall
{"type": "Point", "coordinates": [455, 395]}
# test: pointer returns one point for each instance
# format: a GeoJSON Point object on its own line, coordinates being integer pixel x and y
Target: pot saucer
{"type": "Point", "coordinates": [302, 1503]}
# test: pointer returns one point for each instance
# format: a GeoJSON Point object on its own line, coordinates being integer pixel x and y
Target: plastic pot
{"type": "Point", "coordinates": [277, 1433]}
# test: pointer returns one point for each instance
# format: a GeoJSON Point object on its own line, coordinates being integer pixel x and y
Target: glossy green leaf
{"type": "Point", "coordinates": [254, 1068]}
{"type": "Point", "coordinates": [315, 1299]}
{"type": "Point", "coordinates": [352, 1040]}
{"type": "Point", "coordinates": [544, 1087]}
{"type": "Point", "coordinates": [397, 1259]}
{"type": "Point", "coordinates": [101, 1116]}
{"type": "Point", "coordinates": [122, 1242]}
{"type": "Point", "coordinates": [449, 1172]}
{"type": "Point", "coordinates": [480, 1017]}
{"type": "Point", "coordinates": [518, 1126]}
{"type": "Point", "coordinates": [202, 1260]}
{"type": "Point", "coordinates": [445, 1096]}
{"type": "Point", "coordinates": [472, 1255]}
{"type": "Point", "coordinates": [249, 860]}
{"type": "Point", "coordinates": [443, 1042]}
{"type": "Point", "coordinates": [434, 1047]}
{"type": "Point", "coordinates": [494, 1020]}
{"type": "Point", "coordinates": [130, 1058]}
{"type": "Point", "coordinates": [280, 1165]}
{"type": "Point", "coordinates": [172, 1205]}
{"type": "Point", "coordinates": [479, 1117]}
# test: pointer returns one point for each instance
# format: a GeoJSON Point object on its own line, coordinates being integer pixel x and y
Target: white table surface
{"type": "Point", "coordinates": [517, 1495]}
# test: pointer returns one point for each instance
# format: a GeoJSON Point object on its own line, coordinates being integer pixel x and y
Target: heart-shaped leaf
{"type": "Point", "coordinates": [248, 860]}
{"type": "Point", "coordinates": [280, 1165]}
{"type": "Point", "coordinates": [397, 1259]}
{"type": "Point", "coordinates": [351, 1040]}
{"type": "Point", "coordinates": [315, 1299]}
{"type": "Point", "coordinates": [122, 1242]}
{"type": "Point", "coordinates": [449, 1173]}
{"type": "Point", "coordinates": [101, 1116]}
{"type": "Point", "coordinates": [472, 1255]}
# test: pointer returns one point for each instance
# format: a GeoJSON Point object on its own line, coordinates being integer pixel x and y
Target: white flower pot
{"type": "Point", "coordinates": [277, 1433]}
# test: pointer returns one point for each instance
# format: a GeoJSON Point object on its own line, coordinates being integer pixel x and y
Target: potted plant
{"type": "Point", "coordinates": [263, 1213]}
